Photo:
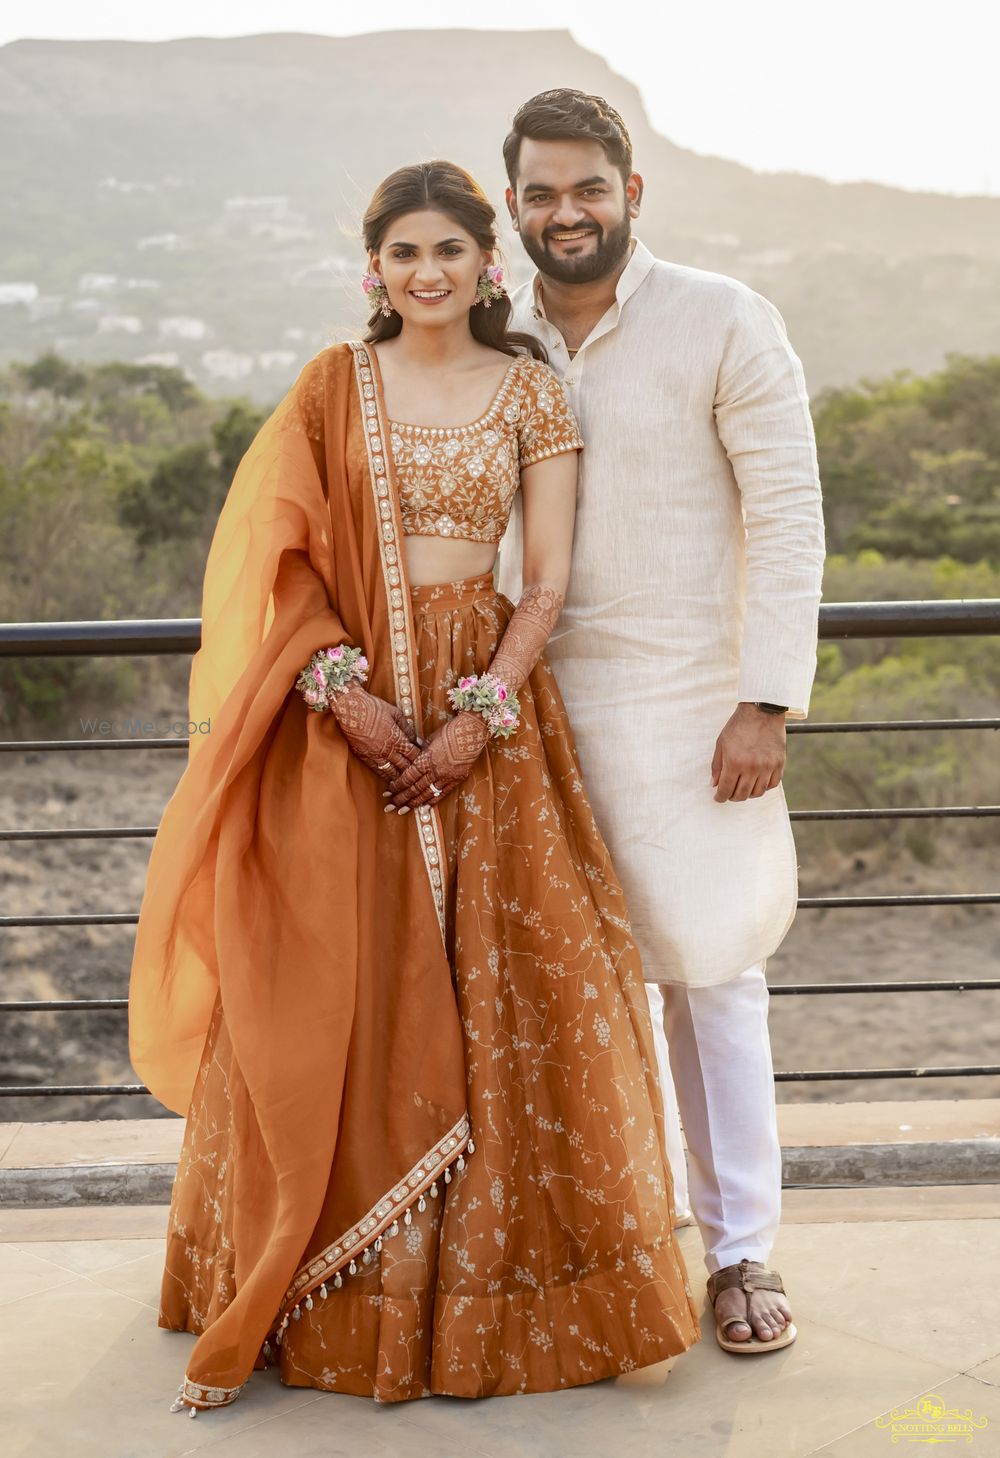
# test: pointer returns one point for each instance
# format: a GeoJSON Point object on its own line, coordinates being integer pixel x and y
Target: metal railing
{"type": "Point", "coordinates": [837, 621]}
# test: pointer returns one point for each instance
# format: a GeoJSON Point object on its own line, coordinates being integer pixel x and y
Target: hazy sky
{"type": "Point", "coordinates": [897, 91]}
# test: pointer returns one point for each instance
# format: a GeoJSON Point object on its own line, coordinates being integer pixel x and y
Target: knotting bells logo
{"type": "Point", "coordinates": [931, 1421]}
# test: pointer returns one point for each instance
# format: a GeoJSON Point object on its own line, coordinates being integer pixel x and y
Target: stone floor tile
{"type": "Point", "coordinates": [704, 1404]}
{"type": "Point", "coordinates": [88, 1374]}
{"type": "Point", "coordinates": [83, 1222]}
{"type": "Point", "coordinates": [987, 1372]}
{"type": "Point", "coordinates": [23, 1274]}
{"type": "Point", "coordinates": [90, 1257]}
{"type": "Point", "coordinates": [339, 1426]}
{"type": "Point", "coordinates": [928, 1289]}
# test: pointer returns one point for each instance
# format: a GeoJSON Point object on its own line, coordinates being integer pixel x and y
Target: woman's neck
{"type": "Point", "coordinates": [435, 349]}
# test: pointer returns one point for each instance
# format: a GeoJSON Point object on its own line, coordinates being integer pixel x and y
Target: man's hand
{"type": "Point", "coordinates": [443, 763]}
{"type": "Point", "coordinates": [376, 731]}
{"type": "Point", "coordinates": [749, 754]}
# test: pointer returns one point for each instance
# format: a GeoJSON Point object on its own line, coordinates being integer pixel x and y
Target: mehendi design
{"type": "Point", "coordinates": [444, 762]}
{"type": "Point", "coordinates": [376, 732]}
{"type": "Point", "coordinates": [528, 631]}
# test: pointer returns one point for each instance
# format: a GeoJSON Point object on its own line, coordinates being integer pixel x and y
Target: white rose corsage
{"type": "Point", "coordinates": [329, 672]}
{"type": "Point", "coordinates": [487, 695]}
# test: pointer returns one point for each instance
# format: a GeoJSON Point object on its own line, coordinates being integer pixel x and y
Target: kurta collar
{"type": "Point", "coordinates": [629, 280]}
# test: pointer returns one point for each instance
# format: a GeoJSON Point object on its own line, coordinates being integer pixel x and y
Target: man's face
{"type": "Point", "coordinates": [572, 210]}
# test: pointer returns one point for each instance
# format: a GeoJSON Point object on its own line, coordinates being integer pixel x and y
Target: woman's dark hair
{"type": "Point", "coordinates": [565, 115]}
{"type": "Point", "coordinates": [449, 190]}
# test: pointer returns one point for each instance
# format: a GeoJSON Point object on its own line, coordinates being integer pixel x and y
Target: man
{"type": "Point", "coordinates": [688, 634]}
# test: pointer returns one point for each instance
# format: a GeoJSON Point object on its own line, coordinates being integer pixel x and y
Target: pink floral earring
{"type": "Point", "coordinates": [490, 286]}
{"type": "Point", "coordinates": [377, 294]}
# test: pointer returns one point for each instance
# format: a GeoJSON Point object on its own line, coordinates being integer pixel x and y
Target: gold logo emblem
{"type": "Point", "coordinates": [931, 1421]}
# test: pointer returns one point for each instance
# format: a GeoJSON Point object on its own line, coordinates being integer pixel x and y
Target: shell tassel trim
{"type": "Point", "coordinates": [362, 1245]}
{"type": "Point", "coordinates": [363, 1242]}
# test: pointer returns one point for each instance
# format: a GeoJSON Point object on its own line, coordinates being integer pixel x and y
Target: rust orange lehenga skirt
{"type": "Point", "coordinates": [545, 1257]}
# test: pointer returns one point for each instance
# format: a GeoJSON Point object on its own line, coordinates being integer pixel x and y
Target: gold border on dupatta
{"type": "Point", "coordinates": [404, 649]}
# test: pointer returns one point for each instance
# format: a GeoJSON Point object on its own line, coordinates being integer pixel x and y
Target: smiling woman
{"type": "Point", "coordinates": [383, 961]}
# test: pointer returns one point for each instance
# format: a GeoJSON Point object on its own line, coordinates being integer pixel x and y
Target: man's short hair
{"type": "Point", "coordinates": [565, 115]}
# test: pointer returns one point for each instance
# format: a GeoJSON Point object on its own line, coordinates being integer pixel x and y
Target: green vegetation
{"type": "Point", "coordinates": [111, 479]}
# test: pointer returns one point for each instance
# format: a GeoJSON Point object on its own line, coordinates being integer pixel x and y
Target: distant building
{"type": "Point", "coordinates": [85, 306]}
{"type": "Point", "coordinates": [18, 293]}
{"type": "Point", "coordinates": [276, 359]}
{"type": "Point", "coordinates": [112, 184]}
{"type": "Point", "coordinates": [142, 283]}
{"type": "Point", "coordinates": [180, 327]}
{"type": "Point", "coordinates": [169, 359]}
{"type": "Point", "coordinates": [294, 332]}
{"type": "Point", "coordinates": [119, 324]}
{"type": "Point", "coordinates": [324, 271]}
{"type": "Point", "coordinates": [226, 364]}
{"type": "Point", "coordinates": [168, 242]}
{"type": "Point", "coordinates": [97, 283]}
{"type": "Point", "coordinates": [46, 306]}
{"type": "Point", "coordinates": [273, 206]}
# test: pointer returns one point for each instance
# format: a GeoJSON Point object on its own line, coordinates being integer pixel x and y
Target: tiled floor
{"type": "Point", "coordinates": [894, 1294]}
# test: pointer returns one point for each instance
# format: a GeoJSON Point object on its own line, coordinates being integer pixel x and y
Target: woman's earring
{"type": "Point", "coordinates": [377, 293]}
{"type": "Point", "coordinates": [490, 286]}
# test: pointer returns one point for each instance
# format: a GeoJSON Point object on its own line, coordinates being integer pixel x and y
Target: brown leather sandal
{"type": "Point", "coordinates": [750, 1276]}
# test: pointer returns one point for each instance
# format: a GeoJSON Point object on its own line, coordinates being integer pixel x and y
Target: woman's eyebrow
{"type": "Point", "coordinates": [398, 243]}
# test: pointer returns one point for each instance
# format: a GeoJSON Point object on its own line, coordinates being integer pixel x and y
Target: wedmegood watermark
{"type": "Point", "coordinates": [145, 728]}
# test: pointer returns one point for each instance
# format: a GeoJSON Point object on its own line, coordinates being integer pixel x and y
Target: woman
{"type": "Point", "coordinates": [383, 962]}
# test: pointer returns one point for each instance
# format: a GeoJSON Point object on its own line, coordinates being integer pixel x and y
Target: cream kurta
{"type": "Point", "coordinates": [697, 568]}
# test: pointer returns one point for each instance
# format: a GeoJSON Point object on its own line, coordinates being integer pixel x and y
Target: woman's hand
{"type": "Point", "coordinates": [443, 763]}
{"type": "Point", "coordinates": [376, 731]}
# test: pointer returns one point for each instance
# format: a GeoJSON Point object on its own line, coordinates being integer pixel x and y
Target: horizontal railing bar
{"type": "Point", "coordinates": [810, 903]}
{"type": "Point", "coordinates": [77, 1090]}
{"type": "Point", "coordinates": [917, 812]}
{"type": "Point", "coordinates": [952, 616]}
{"type": "Point", "coordinates": [877, 726]}
{"type": "Point", "coordinates": [111, 832]}
{"type": "Point", "coordinates": [976, 984]}
{"type": "Point", "coordinates": [938, 618]}
{"type": "Point", "coordinates": [76, 1004]}
{"type": "Point", "coordinates": [981, 1070]}
{"type": "Point", "coordinates": [124, 636]}
{"type": "Point", "coordinates": [99, 918]}
{"type": "Point", "coordinates": [870, 726]}
{"type": "Point", "coordinates": [785, 989]}
{"type": "Point", "coordinates": [836, 903]}
{"type": "Point", "coordinates": [808, 1075]}
{"type": "Point", "coordinates": [47, 746]}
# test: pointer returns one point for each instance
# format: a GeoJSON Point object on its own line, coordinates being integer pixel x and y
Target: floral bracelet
{"type": "Point", "coordinates": [487, 695]}
{"type": "Point", "coordinates": [330, 671]}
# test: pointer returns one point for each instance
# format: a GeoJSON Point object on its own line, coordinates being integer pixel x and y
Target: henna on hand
{"type": "Point", "coordinates": [444, 762]}
{"type": "Point", "coordinates": [376, 731]}
{"type": "Point", "coordinates": [526, 634]}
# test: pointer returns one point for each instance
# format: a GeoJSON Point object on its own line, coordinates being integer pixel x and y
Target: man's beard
{"type": "Point", "coordinates": [611, 248]}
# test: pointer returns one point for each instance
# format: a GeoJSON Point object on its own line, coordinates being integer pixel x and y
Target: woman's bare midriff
{"type": "Point", "coordinates": [430, 560]}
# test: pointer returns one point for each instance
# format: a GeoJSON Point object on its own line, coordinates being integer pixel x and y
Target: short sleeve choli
{"type": "Point", "coordinates": [460, 481]}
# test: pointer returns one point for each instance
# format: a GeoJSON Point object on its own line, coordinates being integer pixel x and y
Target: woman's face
{"type": "Point", "coordinates": [430, 266]}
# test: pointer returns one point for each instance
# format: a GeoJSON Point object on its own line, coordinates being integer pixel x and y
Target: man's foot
{"type": "Point", "coordinates": [751, 1310]}
{"type": "Point", "coordinates": [770, 1313]}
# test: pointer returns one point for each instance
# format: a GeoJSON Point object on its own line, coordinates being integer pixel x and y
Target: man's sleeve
{"type": "Point", "coordinates": [762, 416]}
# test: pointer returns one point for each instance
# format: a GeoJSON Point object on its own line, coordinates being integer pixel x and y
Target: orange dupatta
{"type": "Point", "coordinates": [278, 886]}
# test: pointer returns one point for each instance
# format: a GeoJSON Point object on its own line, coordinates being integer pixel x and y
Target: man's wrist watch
{"type": "Point", "coordinates": [772, 708]}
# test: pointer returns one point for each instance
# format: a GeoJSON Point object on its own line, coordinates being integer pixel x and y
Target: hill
{"type": "Point", "coordinates": [197, 202]}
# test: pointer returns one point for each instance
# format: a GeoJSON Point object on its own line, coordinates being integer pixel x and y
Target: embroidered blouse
{"type": "Point", "coordinates": [461, 480]}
